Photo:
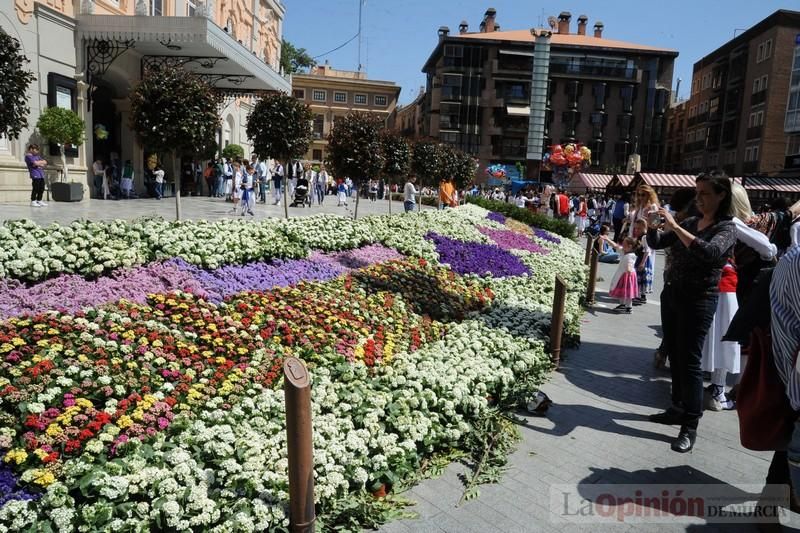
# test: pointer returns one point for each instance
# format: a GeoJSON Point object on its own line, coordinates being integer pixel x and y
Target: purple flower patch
{"type": "Point", "coordinates": [10, 489]}
{"type": "Point", "coordinates": [546, 235]}
{"type": "Point", "coordinates": [477, 258]}
{"type": "Point", "coordinates": [497, 217]}
{"type": "Point", "coordinates": [511, 240]}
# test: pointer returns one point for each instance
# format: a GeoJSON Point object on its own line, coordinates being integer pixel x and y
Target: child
{"type": "Point", "coordinates": [644, 263]}
{"type": "Point", "coordinates": [341, 193]}
{"type": "Point", "coordinates": [247, 191]}
{"type": "Point", "coordinates": [721, 357]}
{"type": "Point", "coordinates": [236, 191]}
{"type": "Point", "coordinates": [624, 285]}
{"type": "Point", "coordinates": [606, 252]}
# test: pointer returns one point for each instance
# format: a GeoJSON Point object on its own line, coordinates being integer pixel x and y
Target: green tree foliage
{"type": "Point", "coordinates": [233, 151]}
{"type": "Point", "coordinates": [355, 148]}
{"type": "Point", "coordinates": [396, 155]}
{"type": "Point", "coordinates": [464, 171]}
{"type": "Point", "coordinates": [295, 59]}
{"type": "Point", "coordinates": [172, 110]}
{"type": "Point", "coordinates": [61, 126]}
{"type": "Point", "coordinates": [426, 162]}
{"type": "Point", "coordinates": [14, 83]}
{"type": "Point", "coordinates": [280, 127]}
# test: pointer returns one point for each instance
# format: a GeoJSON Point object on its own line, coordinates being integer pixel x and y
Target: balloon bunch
{"type": "Point", "coordinates": [497, 171]}
{"type": "Point", "coordinates": [575, 156]}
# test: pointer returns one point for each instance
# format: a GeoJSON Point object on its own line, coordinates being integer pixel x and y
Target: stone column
{"type": "Point", "coordinates": [129, 144]}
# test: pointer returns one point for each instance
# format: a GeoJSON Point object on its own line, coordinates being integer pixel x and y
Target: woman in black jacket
{"type": "Point", "coordinates": [699, 248]}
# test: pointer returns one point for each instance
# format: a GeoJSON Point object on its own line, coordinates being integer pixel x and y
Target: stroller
{"type": "Point", "coordinates": [300, 194]}
{"type": "Point", "coordinates": [592, 226]}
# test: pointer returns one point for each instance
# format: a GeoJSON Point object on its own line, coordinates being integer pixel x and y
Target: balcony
{"type": "Point", "coordinates": [593, 71]}
{"type": "Point", "coordinates": [758, 98]}
{"type": "Point", "coordinates": [754, 132]}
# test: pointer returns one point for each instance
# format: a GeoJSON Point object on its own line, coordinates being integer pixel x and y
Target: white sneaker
{"type": "Point", "coordinates": [42, 204]}
{"type": "Point", "coordinates": [34, 203]}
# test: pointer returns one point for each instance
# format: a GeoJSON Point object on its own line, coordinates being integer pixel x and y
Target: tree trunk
{"type": "Point", "coordinates": [176, 169]}
{"type": "Point", "coordinates": [358, 194]}
{"type": "Point", "coordinates": [285, 184]}
{"type": "Point", "coordinates": [64, 169]}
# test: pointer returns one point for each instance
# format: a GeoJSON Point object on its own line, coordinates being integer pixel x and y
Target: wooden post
{"type": "Point", "coordinates": [297, 391]}
{"type": "Point", "coordinates": [589, 243]}
{"type": "Point", "coordinates": [592, 278]}
{"type": "Point", "coordinates": [557, 320]}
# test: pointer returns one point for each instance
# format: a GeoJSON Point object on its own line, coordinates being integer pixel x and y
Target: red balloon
{"type": "Point", "coordinates": [558, 159]}
{"type": "Point", "coordinates": [575, 158]}
{"type": "Point", "coordinates": [557, 149]}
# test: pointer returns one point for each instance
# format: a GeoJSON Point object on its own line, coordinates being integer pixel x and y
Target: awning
{"type": "Point", "coordinates": [517, 53]}
{"type": "Point", "coordinates": [593, 181]}
{"type": "Point", "coordinates": [625, 179]}
{"type": "Point", "coordinates": [516, 110]}
{"type": "Point", "coordinates": [669, 180]}
{"type": "Point", "coordinates": [196, 43]}
{"type": "Point", "coordinates": [784, 185]}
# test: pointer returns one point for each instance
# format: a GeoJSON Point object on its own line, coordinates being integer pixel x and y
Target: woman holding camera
{"type": "Point", "coordinates": [699, 248]}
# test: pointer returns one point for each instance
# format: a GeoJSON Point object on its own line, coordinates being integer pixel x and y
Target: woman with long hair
{"type": "Point", "coordinates": [645, 202]}
{"type": "Point", "coordinates": [700, 248]}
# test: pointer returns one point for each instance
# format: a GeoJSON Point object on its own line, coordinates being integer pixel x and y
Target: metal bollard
{"type": "Point", "coordinates": [297, 390]}
{"type": "Point", "coordinates": [557, 320]}
{"type": "Point", "coordinates": [592, 278]}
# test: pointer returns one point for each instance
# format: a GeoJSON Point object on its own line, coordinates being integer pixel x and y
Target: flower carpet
{"type": "Point", "coordinates": [141, 362]}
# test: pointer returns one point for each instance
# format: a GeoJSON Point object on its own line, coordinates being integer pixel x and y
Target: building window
{"type": "Point", "coordinates": [360, 99]}
{"type": "Point", "coordinates": [768, 49]}
{"type": "Point", "coordinates": [300, 94]}
{"type": "Point", "coordinates": [340, 98]}
{"type": "Point", "coordinates": [764, 79]}
{"type": "Point", "coordinates": [62, 92]}
{"type": "Point", "coordinates": [380, 100]}
{"type": "Point", "coordinates": [319, 95]}
{"type": "Point", "coordinates": [764, 51]}
{"type": "Point", "coordinates": [319, 126]}
{"type": "Point", "coordinates": [713, 160]}
{"type": "Point", "coordinates": [730, 157]}
{"type": "Point", "coordinates": [156, 8]}
{"type": "Point", "coordinates": [316, 155]}
{"type": "Point", "coordinates": [191, 8]}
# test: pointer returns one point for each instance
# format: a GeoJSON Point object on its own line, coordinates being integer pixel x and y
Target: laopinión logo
{"type": "Point", "coordinates": [656, 503]}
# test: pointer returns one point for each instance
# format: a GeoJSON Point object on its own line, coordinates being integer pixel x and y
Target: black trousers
{"type": "Point", "coordinates": [37, 190]}
{"type": "Point", "coordinates": [617, 222]}
{"type": "Point", "coordinates": [685, 318]}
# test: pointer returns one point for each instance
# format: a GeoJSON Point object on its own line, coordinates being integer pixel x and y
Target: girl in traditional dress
{"type": "Point", "coordinates": [644, 264]}
{"type": "Point", "coordinates": [236, 191]}
{"type": "Point", "coordinates": [341, 193]}
{"type": "Point", "coordinates": [624, 285]}
{"type": "Point", "coordinates": [721, 357]}
{"type": "Point", "coordinates": [646, 202]}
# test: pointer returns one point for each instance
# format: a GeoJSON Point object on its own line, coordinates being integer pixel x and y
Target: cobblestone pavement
{"type": "Point", "coordinates": [193, 208]}
{"type": "Point", "coordinates": [596, 433]}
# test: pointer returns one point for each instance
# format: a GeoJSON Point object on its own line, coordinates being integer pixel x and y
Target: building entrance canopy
{"type": "Point", "coordinates": [193, 43]}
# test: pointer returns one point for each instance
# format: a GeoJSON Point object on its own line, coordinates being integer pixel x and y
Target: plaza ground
{"type": "Point", "coordinates": [192, 208]}
{"type": "Point", "coordinates": [596, 432]}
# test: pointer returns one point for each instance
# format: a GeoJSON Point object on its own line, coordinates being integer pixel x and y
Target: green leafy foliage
{"type": "Point", "coordinates": [14, 83]}
{"type": "Point", "coordinates": [426, 161]}
{"type": "Point", "coordinates": [559, 227]}
{"type": "Point", "coordinates": [464, 170]}
{"type": "Point", "coordinates": [295, 59]}
{"type": "Point", "coordinates": [174, 110]}
{"type": "Point", "coordinates": [355, 148]}
{"type": "Point", "coordinates": [280, 127]}
{"type": "Point", "coordinates": [396, 155]}
{"type": "Point", "coordinates": [233, 151]}
{"type": "Point", "coordinates": [61, 126]}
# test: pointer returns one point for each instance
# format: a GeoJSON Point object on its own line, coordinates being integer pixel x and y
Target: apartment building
{"type": "Point", "coordinates": [742, 115]}
{"type": "Point", "coordinates": [607, 94]}
{"type": "Point", "coordinates": [333, 93]}
{"type": "Point", "coordinates": [87, 55]}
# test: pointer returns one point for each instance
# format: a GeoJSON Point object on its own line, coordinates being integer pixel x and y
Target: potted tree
{"type": "Point", "coordinates": [280, 127]}
{"type": "Point", "coordinates": [233, 151]}
{"type": "Point", "coordinates": [174, 111]}
{"type": "Point", "coordinates": [354, 148]}
{"type": "Point", "coordinates": [63, 127]}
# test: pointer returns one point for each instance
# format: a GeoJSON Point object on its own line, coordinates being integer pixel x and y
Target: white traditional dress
{"type": "Point", "coordinates": [719, 354]}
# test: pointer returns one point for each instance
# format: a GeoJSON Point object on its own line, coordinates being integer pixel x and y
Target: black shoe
{"type": "Point", "coordinates": [638, 302]}
{"type": "Point", "coordinates": [628, 310]}
{"type": "Point", "coordinates": [670, 417]}
{"type": "Point", "coordinates": [620, 307]}
{"type": "Point", "coordinates": [685, 441]}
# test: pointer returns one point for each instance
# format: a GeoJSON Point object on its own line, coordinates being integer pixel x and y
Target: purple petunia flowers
{"type": "Point", "coordinates": [497, 217]}
{"type": "Point", "coordinates": [477, 258]}
{"type": "Point", "coordinates": [546, 235]}
{"type": "Point", "coordinates": [511, 240]}
{"type": "Point", "coordinates": [10, 489]}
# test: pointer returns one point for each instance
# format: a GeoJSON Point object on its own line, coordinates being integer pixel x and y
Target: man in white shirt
{"type": "Point", "coordinates": [277, 183]}
{"type": "Point", "coordinates": [321, 185]}
{"type": "Point", "coordinates": [228, 177]}
{"type": "Point", "coordinates": [158, 173]}
{"type": "Point", "coordinates": [410, 194]}
{"type": "Point", "coordinates": [311, 177]}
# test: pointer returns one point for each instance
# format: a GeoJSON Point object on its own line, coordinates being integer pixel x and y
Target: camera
{"type": "Point", "coordinates": [654, 219]}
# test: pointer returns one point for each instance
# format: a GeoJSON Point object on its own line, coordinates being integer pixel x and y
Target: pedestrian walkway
{"type": "Point", "coordinates": [596, 432]}
{"type": "Point", "coordinates": [193, 208]}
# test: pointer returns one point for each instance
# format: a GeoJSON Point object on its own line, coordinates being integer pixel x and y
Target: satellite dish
{"type": "Point", "coordinates": [552, 22]}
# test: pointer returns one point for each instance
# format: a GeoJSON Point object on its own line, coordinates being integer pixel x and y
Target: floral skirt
{"type": "Point", "coordinates": [627, 287]}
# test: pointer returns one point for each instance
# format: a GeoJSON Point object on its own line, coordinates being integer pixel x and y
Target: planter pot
{"type": "Point", "coordinates": [66, 192]}
{"type": "Point", "coordinates": [380, 493]}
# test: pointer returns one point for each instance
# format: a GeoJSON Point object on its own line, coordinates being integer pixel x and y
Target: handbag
{"type": "Point", "coordinates": [766, 418]}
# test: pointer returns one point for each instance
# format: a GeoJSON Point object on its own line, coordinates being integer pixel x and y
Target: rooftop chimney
{"type": "Point", "coordinates": [483, 26]}
{"type": "Point", "coordinates": [563, 21]}
{"type": "Point", "coordinates": [582, 20]}
{"type": "Point", "coordinates": [488, 19]}
{"type": "Point", "coordinates": [444, 31]}
{"type": "Point", "coordinates": [598, 29]}
{"type": "Point", "coordinates": [463, 27]}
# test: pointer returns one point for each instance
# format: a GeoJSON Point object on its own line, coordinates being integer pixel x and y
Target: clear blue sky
{"type": "Point", "coordinates": [399, 35]}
